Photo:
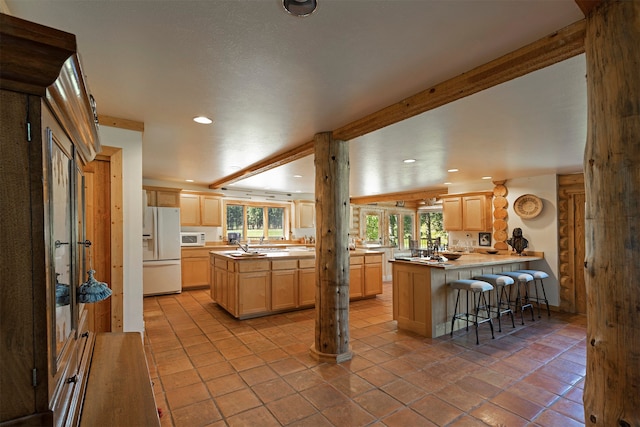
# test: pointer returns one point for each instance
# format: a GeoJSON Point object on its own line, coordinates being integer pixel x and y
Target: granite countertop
{"type": "Point", "coordinates": [470, 260]}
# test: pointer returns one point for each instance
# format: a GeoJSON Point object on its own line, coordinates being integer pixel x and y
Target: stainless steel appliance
{"type": "Point", "coordinates": [161, 273]}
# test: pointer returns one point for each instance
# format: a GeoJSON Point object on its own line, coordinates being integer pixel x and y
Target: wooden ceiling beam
{"type": "Point", "coordinates": [269, 163]}
{"type": "Point", "coordinates": [399, 197]}
{"type": "Point", "coordinates": [556, 47]}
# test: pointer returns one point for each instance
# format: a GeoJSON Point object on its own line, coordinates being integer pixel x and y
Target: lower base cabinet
{"type": "Point", "coordinates": [195, 268]}
{"type": "Point", "coordinates": [253, 288]}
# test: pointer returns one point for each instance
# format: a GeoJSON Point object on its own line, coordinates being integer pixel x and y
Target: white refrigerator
{"type": "Point", "coordinates": [161, 272]}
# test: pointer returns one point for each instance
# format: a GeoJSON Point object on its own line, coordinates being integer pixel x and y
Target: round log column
{"type": "Point", "coordinates": [612, 189]}
{"type": "Point", "coordinates": [332, 250]}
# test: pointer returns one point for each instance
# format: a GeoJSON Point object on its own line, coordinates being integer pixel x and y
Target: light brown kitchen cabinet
{"type": "Point", "coordinates": [467, 212]}
{"type": "Point", "coordinates": [195, 268]}
{"type": "Point", "coordinates": [284, 281]}
{"type": "Point", "coordinates": [200, 210]}
{"type": "Point", "coordinates": [305, 214]}
{"type": "Point", "coordinates": [254, 293]}
{"type": "Point", "coordinates": [372, 274]}
{"type": "Point", "coordinates": [163, 197]}
{"type": "Point", "coordinates": [307, 282]}
{"type": "Point", "coordinates": [356, 276]}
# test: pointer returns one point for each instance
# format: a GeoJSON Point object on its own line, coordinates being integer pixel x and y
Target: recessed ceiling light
{"type": "Point", "coordinates": [297, 176]}
{"type": "Point", "coordinates": [452, 170]}
{"type": "Point", "coordinates": [486, 177]}
{"type": "Point", "coordinates": [203, 120]}
{"type": "Point", "coordinates": [189, 180]}
{"type": "Point", "coordinates": [448, 183]}
{"type": "Point", "coordinates": [409, 160]}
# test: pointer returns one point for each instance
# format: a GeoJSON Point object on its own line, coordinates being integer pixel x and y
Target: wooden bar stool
{"type": "Point", "coordinates": [477, 289]}
{"type": "Point", "coordinates": [538, 275]}
{"type": "Point", "coordinates": [522, 292]}
{"type": "Point", "coordinates": [503, 300]}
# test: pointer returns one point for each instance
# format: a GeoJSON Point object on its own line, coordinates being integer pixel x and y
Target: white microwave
{"type": "Point", "coordinates": [192, 238]}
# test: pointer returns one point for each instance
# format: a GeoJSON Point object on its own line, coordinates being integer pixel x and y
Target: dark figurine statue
{"type": "Point", "coordinates": [518, 242]}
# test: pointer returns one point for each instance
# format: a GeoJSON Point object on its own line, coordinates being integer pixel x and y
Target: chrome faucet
{"type": "Point", "coordinates": [244, 248]}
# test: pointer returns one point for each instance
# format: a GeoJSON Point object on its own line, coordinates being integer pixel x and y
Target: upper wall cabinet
{"type": "Point", "coordinates": [200, 209]}
{"type": "Point", "coordinates": [305, 214]}
{"type": "Point", "coordinates": [163, 197]}
{"type": "Point", "coordinates": [467, 212]}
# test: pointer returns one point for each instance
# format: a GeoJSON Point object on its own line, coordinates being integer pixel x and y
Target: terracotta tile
{"type": "Point", "coordinates": [324, 396]}
{"type": "Point", "coordinates": [200, 348]}
{"type": "Point", "coordinates": [205, 359]}
{"type": "Point", "coordinates": [548, 383]}
{"type": "Point", "coordinates": [198, 414]}
{"type": "Point", "coordinates": [403, 391]}
{"type": "Point", "coordinates": [348, 414]}
{"type": "Point", "coordinates": [287, 366]}
{"type": "Point", "coordinates": [478, 386]}
{"type": "Point", "coordinates": [237, 401]}
{"type": "Point", "coordinates": [550, 418]}
{"type": "Point", "coordinates": [258, 375]}
{"type": "Point", "coordinates": [246, 362]}
{"type": "Point", "coordinates": [406, 417]}
{"type": "Point", "coordinates": [216, 370]}
{"type": "Point", "coordinates": [467, 421]}
{"type": "Point", "coordinates": [460, 398]}
{"type": "Point", "coordinates": [291, 408]}
{"type": "Point", "coordinates": [436, 410]}
{"type": "Point", "coordinates": [180, 379]}
{"type": "Point", "coordinates": [271, 390]}
{"type": "Point", "coordinates": [226, 384]}
{"type": "Point", "coordinates": [518, 405]}
{"type": "Point", "coordinates": [351, 385]}
{"type": "Point", "coordinates": [185, 396]}
{"type": "Point", "coordinates": [267, 360]}
{"type": "Point", "coordinates": [569, 408]}
{"type": "Point", "coordinates": [497, 416]}
{"type": "Point", "coordinates": [575, 394]}
{"type": "Point", "coordinates": [377, 376]}
{"type": "Point", "coordinates": [173, 366]}
{"type": "Point", "coordinates": [254, 417]}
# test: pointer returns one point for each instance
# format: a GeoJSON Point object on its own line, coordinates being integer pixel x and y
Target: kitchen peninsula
{"type": "Point", "coordinates": [422, 300]}
{"type": "Point", "coordinates": [253, 284]}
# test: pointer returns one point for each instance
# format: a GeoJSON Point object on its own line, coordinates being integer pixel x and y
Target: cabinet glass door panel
{"type": "Point", "coordinates": [60, 229]}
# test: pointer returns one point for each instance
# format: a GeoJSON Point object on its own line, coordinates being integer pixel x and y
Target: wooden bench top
{"type": "Point", "coordinates": [119, 391]}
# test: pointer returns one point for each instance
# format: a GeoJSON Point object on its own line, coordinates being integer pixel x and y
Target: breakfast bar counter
{"type": "Point", "coordinates": [422, 300]}
{"type": "Point", "coordinates": [259, 283]}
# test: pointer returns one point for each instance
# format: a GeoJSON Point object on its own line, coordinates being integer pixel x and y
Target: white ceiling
{"type": "Point", "coordinates": [270, 81]}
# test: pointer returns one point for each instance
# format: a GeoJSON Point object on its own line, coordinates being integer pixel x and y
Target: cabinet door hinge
{"type": "Point", "coordinates": [34, 377]}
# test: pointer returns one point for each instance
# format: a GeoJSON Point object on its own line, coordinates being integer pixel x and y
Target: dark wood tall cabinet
{"type": "Point", "coordinates": [48, 132]}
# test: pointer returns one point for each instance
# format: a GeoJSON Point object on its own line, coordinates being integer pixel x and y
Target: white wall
{"type": "Point", "coordinates": [131, 144]}
{"type": "Point", "coordinates": [541, 231]}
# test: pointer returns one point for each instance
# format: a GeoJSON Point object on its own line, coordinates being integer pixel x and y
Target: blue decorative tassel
{"type": "Point", "coordinates": [92, 290]}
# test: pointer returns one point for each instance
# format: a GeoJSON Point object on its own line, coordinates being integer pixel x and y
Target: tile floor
{"type": "Point", "coordinates": [209, 369]}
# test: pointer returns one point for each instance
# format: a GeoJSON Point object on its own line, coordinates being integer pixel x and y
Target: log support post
{"type": "Point", "coordinates": [612, 217]}
{"type": "Point", "coordinates": [332, 250]}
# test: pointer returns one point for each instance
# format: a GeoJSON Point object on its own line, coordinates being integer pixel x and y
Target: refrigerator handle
{"type": "Point", "coordinates": [156, 236]}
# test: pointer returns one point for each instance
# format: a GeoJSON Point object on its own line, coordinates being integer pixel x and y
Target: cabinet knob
{"type": "Point", "coordinates": [73, 379]}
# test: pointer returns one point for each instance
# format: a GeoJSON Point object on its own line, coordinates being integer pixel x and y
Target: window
{"type": "Point", "coordinates": [407, 230]}
{"type": "Point", "coordinates": [431, 229]}
{"type": "Point", "coordinates": [257, 221]}
{"type": "Point", "coordinates": [393, 230]}
{"type": "Point", "coordinates": [372, 227]}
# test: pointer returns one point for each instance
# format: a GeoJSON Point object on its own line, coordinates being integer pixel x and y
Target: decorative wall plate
{"type": "Point", "coordinates": [528, 206]}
